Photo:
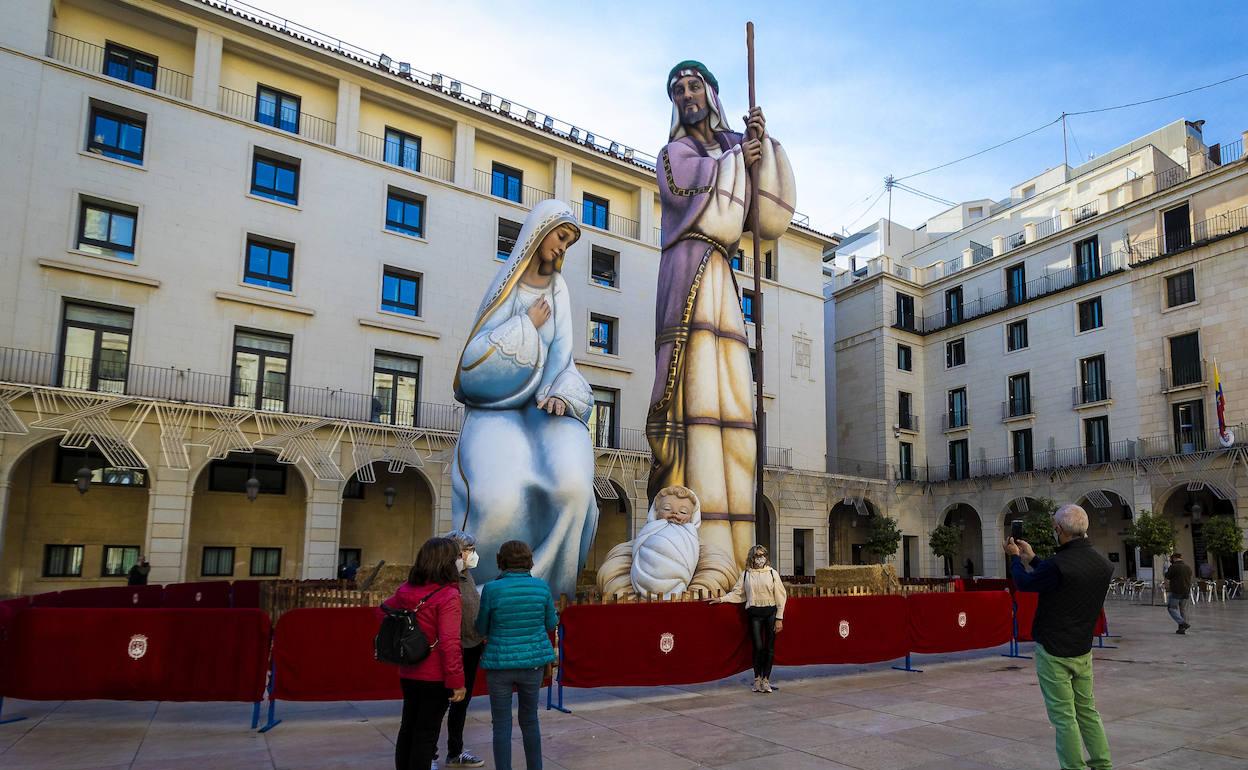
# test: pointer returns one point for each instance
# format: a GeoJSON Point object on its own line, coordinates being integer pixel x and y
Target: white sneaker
{"type": "Point", "coordinates": [758, 684]}
{"type": "Point", "coordinates": [767, 684]}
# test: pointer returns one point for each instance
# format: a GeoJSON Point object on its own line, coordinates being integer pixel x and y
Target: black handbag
{"type": "Point", "coordinates": [399, 640]}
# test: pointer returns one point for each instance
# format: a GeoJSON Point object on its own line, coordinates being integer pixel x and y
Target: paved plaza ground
{"type": "Point", "coordinates": [1170, 702]}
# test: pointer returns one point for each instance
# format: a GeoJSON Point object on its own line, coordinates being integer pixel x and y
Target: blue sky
{"type": "Point", "coordinates": [855, 91]}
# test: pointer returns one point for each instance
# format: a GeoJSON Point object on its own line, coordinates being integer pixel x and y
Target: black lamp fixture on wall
{"type": "Point", "coordinates": [82, 479]}
{"type": "Point", "coordinates": [252, 485]}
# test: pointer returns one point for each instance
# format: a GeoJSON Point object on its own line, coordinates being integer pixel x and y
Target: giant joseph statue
{"type": "Point", "coordinates": [700, 424]}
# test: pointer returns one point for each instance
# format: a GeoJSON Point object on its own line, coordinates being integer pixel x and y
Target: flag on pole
{"type": "Point", "coordinates": [1227, 438]}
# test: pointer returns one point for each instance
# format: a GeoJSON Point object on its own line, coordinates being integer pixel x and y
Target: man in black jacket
{"type": "Point", "coordinates": [1072, 587]}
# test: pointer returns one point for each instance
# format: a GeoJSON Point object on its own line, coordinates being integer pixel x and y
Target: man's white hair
{"type": "Point", "coordinates": [1072, 519]}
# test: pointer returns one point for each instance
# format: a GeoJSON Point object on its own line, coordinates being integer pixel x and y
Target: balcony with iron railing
{"type": "Point", "coordinates": [410, 158]}
{"type": "Point", "coordinates": [980, 253]}
{"type": "Point", "coordinates": [612, 223]}
{"type": "Point", "coordinates": [955, 419]}
{"type": "Point", "coordinates": [623, 439]}
{"type": "Point", "coordinates": [89, 57]}
{"type": "Point", "coordinates": [1047, 227]}
{"type": "Point", "coordinates": [1090, 393]}
{"type": "Point", "coordinates": [1015, 408]}
{"type": "Point", "coordinates": [908, 422]}
{"type": "Point", "coordinates": [1017, 240]}
{"type": "Point", "coordinates": [244, 107]}
{"type": "Point", "coordinates": [1183, 375]}
{"type": "Point", "coordinates": [778, 457]}
{"type": "Point", "coordinates": [1086, 211]}
{"type": "Point", "coordinates": [483, 182]}
{"type": "Point", "coordinates": [745, 265]}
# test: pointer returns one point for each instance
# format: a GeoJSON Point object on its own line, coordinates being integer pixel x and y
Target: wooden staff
{"type": "Point", "coordinates": [760, 415]}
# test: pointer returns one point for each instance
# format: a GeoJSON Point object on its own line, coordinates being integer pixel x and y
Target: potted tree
{"type": "Point", "coordinates": [945, 541]}
{"type": "Point", "coordinates": [1151, 532]}
{"type": "Point", "coordinates": [1222, 537]}
{"type": "Point", "coordinates": [883, 537]}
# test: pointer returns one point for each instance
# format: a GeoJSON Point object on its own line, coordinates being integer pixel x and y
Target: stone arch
{"type": "Point", "coordinates": [767, 529]}
{"type": "Point", "coordinates": [1189, 504]}
{"type": "Point", "coordinates": [1109, 513]}
{"type": "Point", "coordinates": [847, 532]}
{"type": "Point", "coordinates": [44, 508]}
{"type": "Point", "coordinates": [966, 519]}
{"type": "Point", "coordinates": [221, 517]}
{"type": "Point", "coordinates": [615, 526]}
{"type": "Point", "coordinates": [370, 532]}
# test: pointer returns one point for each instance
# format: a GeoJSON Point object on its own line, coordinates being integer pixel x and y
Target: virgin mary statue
{"type": "Point", "coordinates": [524, 465]}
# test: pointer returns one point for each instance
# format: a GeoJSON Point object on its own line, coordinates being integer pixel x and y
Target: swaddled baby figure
{"type": "Point", "coordinates": [665, 552]}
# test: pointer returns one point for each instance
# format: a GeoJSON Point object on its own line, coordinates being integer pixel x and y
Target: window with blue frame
{"type": "Point", "coordinates": [747, 306]}
{"type": "Point", "coordinates": [506, 182]}
{"type": "Point", "coordinates": [402, 150]}
{"type": "Point", "coordinates": [594, 211]}
{"type": "Point", "coordinates": [738, 259]}
{"type": "Point", "coordinates": [130, 65]}
{"type": "Point", "coordinates": [116, 136]}
{"type": "Point", "coordinates": [400, 291]}
{"type": "Point", "coordinates": [269, 264]}
{"type": "Point", "coordinates": [602, 334]}
{"type": "Point", "coordinates": [275, 179]}
{"type": "Point", "coordinates": [508, 232]}
{"type": "Point", "coordinates": [106, 230]}
{"type": "Point", "coordinates": [405, 214]}
{"type": "Point", "coordinates": [277, 108]}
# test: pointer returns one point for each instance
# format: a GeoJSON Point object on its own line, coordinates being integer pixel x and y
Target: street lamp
{"type": "Point", "coordinates": [252, 486]}
{"type": "Point", "coordinates": [389, 493]}
{"type": "Point", "coordinates": [83, 480]}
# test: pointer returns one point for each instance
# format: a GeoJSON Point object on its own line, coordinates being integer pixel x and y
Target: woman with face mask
{"type": "Point", "coordinates": [472, 643]}
{"type": "Point", "coordinates": [762, 592]}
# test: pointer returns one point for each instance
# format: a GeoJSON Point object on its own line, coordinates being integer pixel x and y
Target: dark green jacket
{"type": "Point", "coordinates": [516, 617]}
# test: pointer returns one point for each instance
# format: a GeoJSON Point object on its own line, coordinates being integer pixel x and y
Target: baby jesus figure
{"type": "Point", "coordinates": [665, 552]}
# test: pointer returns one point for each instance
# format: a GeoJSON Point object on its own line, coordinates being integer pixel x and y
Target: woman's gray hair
{"type": "Point", "coordinates": [1072, 519]}
{"type": "Point", "coordinates": [462, 539]}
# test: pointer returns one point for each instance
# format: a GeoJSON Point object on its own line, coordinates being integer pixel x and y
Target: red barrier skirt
{"type": "Point", "coordinates": [214, 593]}
{"type": "Point", "coordinates": [136, 654]}
{"type": "Point", "coordinates": [862, 629]}
{"type": "Point", "coordinates": [49, 599]}
{"type": "Point", "coordinates": [245, 593]}
{"type": "Point", "coordinates": [106, 597]}
{"type": "Point", "coordinates": [327, 654]}
{"type": "Point", "coordinates": [659, 643]}
{"type": "Point", "coordinates": [8, 610]}
{"type": "Point", "coordinates": [952, 622]}
{"type": "Point", "coordinates": [1026, 603]}
{"type": "Point", "coordinates": [1102, 625]}
{"type": "Point", "coordinates": [987, 584]}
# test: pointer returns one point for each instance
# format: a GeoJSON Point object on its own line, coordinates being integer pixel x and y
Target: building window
{"type": "Point", "coordinates": [277, 109]}
{"type": "Point", "coordinates": [353, 489]}
{"type": "Point", "coordinates": [738, 259]}
{"type": "Point", "coordinates": [118, 559]}
{"type": "Point", "coordinates": [602, 334]}
{"type": "Point", "coordinates": [349, 557]}
{"type": "Point", "coordinates": [747, 305]}
{"type": "Point", "coordinates": [905, 311]}
{"type": "Point", "coordinates": [261, 370]}
{"type": "Point", "coordinates": [405, 214]}
{"type": "Point", "coordinates": [268, 264]}
{"type": "Point", "coordinates": [1186, 365]}
{"type": "Point", "coordinates": [955, 352]}
{"type": "Point", "coordinates": [1029, 191]}
{"type": "Point", "coordinates": [905, 460]}
{"type": "Point", "coordinates": [275, 179]}
{"type": "Point", "coordinates": [1087, 259]}
{"type": "Point", "coordinates": [218, 562]}
{"type": "Point", "coordinates": [130, 65]}
{"type": "Point", "coordinates": [231, 474]}
{"type": "Point", "coordinates": [1181, 288]}
{"type": "Point", "coordinates": [396, 388]}
{"type": "Point", "coordinates": [1016, 284]}
{"type": "Point", "coordinates": [266, 562]}
{"type": "Point", "coordinates": [1019, 388]}
{"type": "Point", "coordinates": [1177, 226]}
{"type": "Point", "coordinates": [594, 211]}
{"type": "Point", "coordinates": [1090, 315]}
{"type": "Point", "coordinates": [68, 461]}
{"type": "Point", "coordinates": [62, 561]}
{"type": "Point", "coordinates": [953, 306]}
{"type": "Point", "coordinates": [1020, 447]}
{"type": "Point", "coordinates": [95, 347]}
{"type": "Point", "coordinates": [603, 422]}
{"type": "Point", "coordinates": [1093, 385]}
{"type": "Point", "coordinates": [1189, 426]}
{"type": "Point", "coordinates": [975, 212]}
{"type": "Point", "coordinates": [603, 266]}
{"type": "Point", "coordinates": [905, 411]}
{"type": "Point", "coordinates": [959, 460]}
{"type": "Point", "coordinates": [1096, 440]}
{"type": "Point", "coordinates": [753, 365]}
{"type": "Point", "coordinates": [768, 266]}
{"type": "Point", "coordinates": [959, 415]}
{"type": "Point", "coordinates": [107, 229]}
{"type": "Point", "coordinates": [402, 150]}
{"type": "Point", "coordinates": [116, 136]}
{"type": "Point", "coordinates": [400, 291]}
{"type": "Point", "coordinates": [1016, 335]}
{"type": "Point", "coordinates": [905, 358]}
{"type": "Point", "coordinates": [508, 233]}
{"type": "Point", "coordinates": [506, 182]}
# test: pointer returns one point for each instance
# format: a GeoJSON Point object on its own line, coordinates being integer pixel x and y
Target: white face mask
{"type": "Point", "coordinates": [760, 561]}
{"type": "Point", "coordinates": [459, 565]}
{"type": "Point", "coordinates": [473, 559]}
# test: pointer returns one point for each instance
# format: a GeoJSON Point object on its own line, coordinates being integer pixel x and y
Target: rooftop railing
{"type": "Point", "coordinates": [295, 121]}
{"type": "Point", "coordinates": [1086, 211]}
{"type": "Point", "coordinates": [1047, 227]}
{"type": "Point", "coordinates": [528, 196]}
{"type": "Point", "coordinates": [89, 57]}
{"type": "Point", "coordinates": [1015, 241]}
{"type": "Point", "coordinates": [612, 223]}
{"type": "Point", "coordinates": [980, 253]}
{"type": "Point", "coordinates": [779, 457]}
{"type": "Point", "coordinates": [410, 158]}
{"type": "Point", "coordinates": [1218, 226]}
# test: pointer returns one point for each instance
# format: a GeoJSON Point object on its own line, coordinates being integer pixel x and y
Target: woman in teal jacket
{"type": "Point", "coordinates": [516, 617]}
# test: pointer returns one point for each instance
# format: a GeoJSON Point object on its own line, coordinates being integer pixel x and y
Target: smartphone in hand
{"type": "Point", "coordinates": [1016, 529]}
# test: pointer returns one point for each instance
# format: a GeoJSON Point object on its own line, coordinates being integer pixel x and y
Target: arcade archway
{"type": "Point", "coordinates": [969, 560]}
{"type": "Point", "coordinates": [377, 526]}
{"type": "Point", "coordinates": [847, 531]}
{"type": "Point", "coordinates": [1109, 515]}
{"type": "Point", "coordinates": [615, 525]}
{"type": "Point", "coordinates": [1190, 506]}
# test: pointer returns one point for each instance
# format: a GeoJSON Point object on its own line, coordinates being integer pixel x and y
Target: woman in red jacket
{"type": "Point", "coordinates": [432, 685]}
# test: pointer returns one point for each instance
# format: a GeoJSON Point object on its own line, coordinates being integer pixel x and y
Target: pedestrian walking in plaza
{"type": "Point", "coordinates": [471, 641]}
{"type": "Point", "coordinates": [430, 686]}
{"type": "Point", "coordinates": [1179, 580]}
{"type": "Point", "coordinates": [1072, 587]}
{"type": "Point", "coordinates": [761, 590]}
{"type": "Point", "coordinates": [137, 576]}
{"type": "Point", "coordinates": [516, 617]}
